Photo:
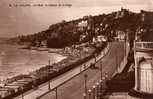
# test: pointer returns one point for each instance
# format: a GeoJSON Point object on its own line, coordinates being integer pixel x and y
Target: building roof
{"type": "Point", "coordinates": [13, 87]}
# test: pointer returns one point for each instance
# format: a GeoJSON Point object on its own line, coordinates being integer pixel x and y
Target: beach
{"type": "Point", "coordinates": [15, 61]}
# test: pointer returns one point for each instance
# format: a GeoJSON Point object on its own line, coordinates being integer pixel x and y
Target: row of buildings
{"type": "Point", "coordinates": [16, 87]}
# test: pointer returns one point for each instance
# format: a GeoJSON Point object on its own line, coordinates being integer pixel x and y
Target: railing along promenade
{"type": "Point", "coordinates": [81, 68]}
{"type": "Point", "coordinates": [62, 79]}
{"type": "Point", "coordinates": [144, 46]}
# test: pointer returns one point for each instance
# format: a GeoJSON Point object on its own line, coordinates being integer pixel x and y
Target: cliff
{"type": "Point", "coordinates": [84, 29]}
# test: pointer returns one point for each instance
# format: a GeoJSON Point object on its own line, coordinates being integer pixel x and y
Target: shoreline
{"type": "Point", "coordinates": [48, 72]}
{"type": "Point", "coordinates": [65, 58]}
{"type": "Point", "coordinates": [22, 67]}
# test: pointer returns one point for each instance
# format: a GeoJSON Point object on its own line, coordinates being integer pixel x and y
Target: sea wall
{"type": "Point", "coordinates": [121, 65]}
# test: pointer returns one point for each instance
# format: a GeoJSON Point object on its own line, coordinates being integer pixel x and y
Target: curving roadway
{"type": "Point", "coordinates": [74, 88]}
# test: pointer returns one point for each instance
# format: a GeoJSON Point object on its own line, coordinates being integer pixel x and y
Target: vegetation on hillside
{"type": "Point", "coordinates": [68, 33]}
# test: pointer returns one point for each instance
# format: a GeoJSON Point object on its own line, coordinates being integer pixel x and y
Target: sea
{"type": "Point", "coordinates": [15, 61]}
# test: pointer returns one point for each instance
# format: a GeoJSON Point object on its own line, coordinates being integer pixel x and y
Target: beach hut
{"type": "Point", "coordinates": [3, 93]}
{"type": "Point", "coordinates": [16, 88]}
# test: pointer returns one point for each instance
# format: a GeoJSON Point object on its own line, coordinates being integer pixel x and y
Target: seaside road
{"type": "Point", "coordinates": [58, 81]}
{"type": "Point", "coordinates": [75, 87]}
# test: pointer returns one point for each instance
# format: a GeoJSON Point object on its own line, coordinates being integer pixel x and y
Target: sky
{"type": "Point", "coordinates": [27, 20]}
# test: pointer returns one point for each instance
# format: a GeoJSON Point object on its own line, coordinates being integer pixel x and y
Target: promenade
{"type": "Point", "coordinates": [75, 88]}
{"type": "Point", "coordinates": [58, 81]}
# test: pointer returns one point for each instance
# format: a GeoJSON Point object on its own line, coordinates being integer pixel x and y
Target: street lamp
{"type": "Point", "coordinates": [116, 60]}
{"type": "Point", "coordinates": [56, 93]}
{"type": "Point", "coordinates": [125, 47]}
{"type": "Point", "coordinates": [101, 70]}
{"type": "Point", "coordinates": [100, 88]}
{"type": "Point", "coordinates": [22, 93]}
{"type": "Point", "coordinates": [89, 93]}
{"type": "Point", "coordinates": [49, 85]}
{"type": "Point", "coordinates": [48, 75]}
{"type": "Point", "coordinates": [84, 96]}
{"type": "Point", "coordinates": [97, 90]}
{"type": "Point", "coordinates": [85, 83]}
{"type": "Point", "coordinates": [93, 90]}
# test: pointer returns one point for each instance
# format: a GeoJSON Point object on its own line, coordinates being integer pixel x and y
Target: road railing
{"type": "Point", "coordinates": [78, 70]}
{"type": "Point", "coordinates": [97, 91]}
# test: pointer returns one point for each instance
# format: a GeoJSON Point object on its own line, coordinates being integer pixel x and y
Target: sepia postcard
{"type": "Point", "coordinates": [76, 49]}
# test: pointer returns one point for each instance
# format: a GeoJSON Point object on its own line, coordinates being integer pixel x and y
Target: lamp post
{"type": "Point", "coordinates": [85, 83]}
{"type": "Point", "coordinates": [48, 75]}
{"type": "Point", "coordinates": [100, 88]}
{"type": "Point", "coordinates": [84, 96]}
{"type": "Point", "coordinates": [93, 90]}
{"type": "Point", "coordinates": [49, 85]}
{"type": "Point", "coordinates": [56, 94]}
{"type": "Point", "coordinates": [97, 90]}
{"type": "Point", "coordinates": [22, 93]}
{"type": "Point", "coordinates": [89, 93]}
{"type": "Point", "coordinates": [101, 75]}
{"type": "Point", "coordinates": [124, 44]}
{"type": "Point", "coordinates": [116, 60]}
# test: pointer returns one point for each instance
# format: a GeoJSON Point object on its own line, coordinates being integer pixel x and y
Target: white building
{"type": "Point", "coordinates": [144, 67]}
{"type": "Point", "coordinates": [99, 38]}
{"type": "Point", "coordinates": [120, 35]}
{"type": "Point", "coordinates": [82, 25]}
